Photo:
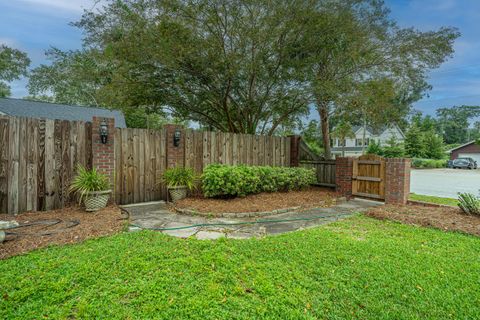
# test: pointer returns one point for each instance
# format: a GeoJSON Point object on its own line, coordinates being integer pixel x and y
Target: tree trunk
{"type": "Point", "coordinates": [323, 112]}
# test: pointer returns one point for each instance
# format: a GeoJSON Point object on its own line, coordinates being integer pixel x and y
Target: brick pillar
{"type": "Point", "coordinates": [103, 154]}
{"type": "Point", "coordinates": [175, 155]}
{"type": "Point", "coordinates": [294, 150]}
{"type": "Point", "coordinates": [397, 182]}
{"type": "Point", "coordinates": [343, 176]}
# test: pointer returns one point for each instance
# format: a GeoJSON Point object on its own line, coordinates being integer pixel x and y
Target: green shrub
{"type": "Point", "coordinates": [428, 163]}
{"type": "Point", "coordinates": [87, 181]}
{"type": "Point", "coordinates": [178, 176]}
{"type": "Point", "coordinates": [222, 180]}
{"type": "Point", "coordinates": [469, 203]}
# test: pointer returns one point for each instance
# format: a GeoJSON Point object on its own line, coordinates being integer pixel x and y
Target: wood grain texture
{"type": "Point", "coordinates": [13, 166]}
{"type": "Point", "coordinates": [4, 163]}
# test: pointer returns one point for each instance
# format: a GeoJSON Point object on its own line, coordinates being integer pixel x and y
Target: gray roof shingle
{"type": "Point", "coordinates": [36, 109]}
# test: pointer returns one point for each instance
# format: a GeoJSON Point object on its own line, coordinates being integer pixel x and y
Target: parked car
{"type": "Point", "coordinates": [464, 163]}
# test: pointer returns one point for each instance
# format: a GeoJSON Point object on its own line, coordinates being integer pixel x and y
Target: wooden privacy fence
{"type": "Point", "coordinates": [141, 157]}
{"type": "Point", "coordinates": [38, 160]}
{"type": "Point", "coordinates": [325, 170]}
{"type": "Point", "coordinates": [140, 160]}
{"type": "Point", "coordinates": [204, 147]}
{"type": "Point", "coordinates": [368, 178]}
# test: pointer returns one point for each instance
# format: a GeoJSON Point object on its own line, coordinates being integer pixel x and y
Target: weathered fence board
{"type": "Point", "coordinates": [140, 160]}
{"type": "Point", "coordinates": [325, 171]}
{"type": "Point", "coordinates": [204, 147]}
{"type": "Point", "coordinates": [38, 159]}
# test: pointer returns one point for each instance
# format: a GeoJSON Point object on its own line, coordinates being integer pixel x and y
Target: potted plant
{"type": "Point", "coordinates": [179, 181]}
{"type": "Point", "coordinates": [92, 187]}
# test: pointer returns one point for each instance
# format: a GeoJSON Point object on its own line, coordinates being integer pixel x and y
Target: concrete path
{"type": "Point", "coordinates": [157, 216]}
{"type": "Point", "coordinates": [444, 182]}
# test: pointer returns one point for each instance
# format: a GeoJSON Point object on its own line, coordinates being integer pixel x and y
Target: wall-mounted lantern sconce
{"type": "Point", "coordinates": [103, 131]}
{"type": "Point", "coordinates": [176, 137]}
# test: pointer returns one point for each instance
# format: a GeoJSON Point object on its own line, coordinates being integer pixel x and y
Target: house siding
{"type": "Point", "coordinates": [351, 149]}
{"type": "Point", "coordinates": [470, 148]}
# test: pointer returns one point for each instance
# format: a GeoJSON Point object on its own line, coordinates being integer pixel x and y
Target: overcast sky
{"type": "Point", "coordinates": [35, 25]}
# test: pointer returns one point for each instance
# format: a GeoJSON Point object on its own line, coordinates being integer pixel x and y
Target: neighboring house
{"type": "Point", "coordinates": [467, 150]}
{"type": "Point", "coordinates": [353, 146]}
{"type": "Point", "coordinates": [36, 109]}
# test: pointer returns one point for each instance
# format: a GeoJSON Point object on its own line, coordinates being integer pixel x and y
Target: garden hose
{"type": "Point", "coordinates": [242, 222]}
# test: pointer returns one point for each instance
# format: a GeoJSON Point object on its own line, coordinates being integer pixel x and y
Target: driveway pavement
{"type": "Point", "coordinates": [444, 182]}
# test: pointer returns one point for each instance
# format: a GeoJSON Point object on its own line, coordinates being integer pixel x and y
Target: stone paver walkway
{"type": "Point", "coordinates": [157, 216]}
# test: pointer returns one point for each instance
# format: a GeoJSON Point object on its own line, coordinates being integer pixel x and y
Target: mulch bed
{"type": "Point", "coordinates": [444, 218]}
{"type": "Point", "coordinates": [312, 197]}
{"type": "Point", "coordinates": [63, 226]}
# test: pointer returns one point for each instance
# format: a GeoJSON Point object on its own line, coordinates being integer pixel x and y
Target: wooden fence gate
{"type": "Point", "coordinates": [368, 179]}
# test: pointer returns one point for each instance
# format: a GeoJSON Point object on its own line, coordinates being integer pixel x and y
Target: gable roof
{"type": "Point", "coordinates": [461, 146]}
{"type": "Point", "coordinates": [37, 109]}
{"type": "Point", "coordinates": [380, 130]}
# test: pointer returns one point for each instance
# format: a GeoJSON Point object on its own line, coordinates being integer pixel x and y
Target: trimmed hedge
{"type": "Point", "coordinates": [224, 181]}
{"type": "Point", "coordinates": [428, 163]}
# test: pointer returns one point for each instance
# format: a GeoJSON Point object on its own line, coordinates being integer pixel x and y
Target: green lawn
{"type": "Point", "coordinates": [358, 268]}
{"type": "Point", "coordinates": [434, 199]}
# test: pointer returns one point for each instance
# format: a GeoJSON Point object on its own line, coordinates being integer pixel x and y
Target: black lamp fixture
{"type": "Point", "coordinates": [103, 131]}
{"type": "Point", "coordinates": [176, 137]}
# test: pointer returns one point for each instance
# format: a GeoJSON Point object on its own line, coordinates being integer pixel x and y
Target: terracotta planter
{"type": "Point", "coordinates": [177, 193]}
{"type": "Point", "coordinates": [96, 200]}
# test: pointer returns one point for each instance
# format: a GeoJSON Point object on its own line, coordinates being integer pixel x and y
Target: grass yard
{"type": "Point", "coordinates": [434, 199]}
{"type": "Point", "coordinates": [357, 268]}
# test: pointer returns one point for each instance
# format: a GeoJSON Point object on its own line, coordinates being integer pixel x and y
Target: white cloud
{"type": "Point", "coordinates": [64, 5]}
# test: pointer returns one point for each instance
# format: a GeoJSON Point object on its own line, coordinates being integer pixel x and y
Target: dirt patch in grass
{"type": "Point", "coordinates": [68, 225]}
{"type": "Point", "coordinates": [445, 218]}
{"type": "Point", "coordinates": [312, 197]}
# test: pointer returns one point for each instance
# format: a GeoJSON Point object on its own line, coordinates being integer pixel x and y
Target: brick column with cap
{"type": "Point", "coordinates": [343, 176]}
{"type": "Point", "coordinates": [175, 154]}
{"type": "Point", "coordinates": [103, 154]}
{"type": "Point", "coordinates": [397, 182]}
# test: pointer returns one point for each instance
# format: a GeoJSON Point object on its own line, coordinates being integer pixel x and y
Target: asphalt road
{"type": "Point", "coordinates": [444, 182]}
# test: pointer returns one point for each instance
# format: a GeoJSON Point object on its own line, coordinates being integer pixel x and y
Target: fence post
{"type": "Point", "coordinates": [397, 184]}
{"type": "Point", "coordinates": [104, 154]}
{"type": "Point", "coordinates": [175, 154]}
{"type": "Point", "coordinates": [343, 176]}
{"type": "Point", "coordinates": [294, 150]}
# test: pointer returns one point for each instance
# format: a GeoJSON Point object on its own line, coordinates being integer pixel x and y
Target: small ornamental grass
{"type": "Point", "coordinates": [177, 177]}
{"type": "Point", "coordinates": [87, 181]}
{"type": "Point", "coordinates": [231, 181]}
{"type": "Point", "coordinates": [469, 203]}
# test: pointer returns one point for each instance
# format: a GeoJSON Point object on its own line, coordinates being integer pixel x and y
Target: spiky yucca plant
{"type": "Point", "coordinates": [87, 181]}
{"type": "Point", "coordinates": [469, 203]}
{"type": "Point", "coordinates": [178, 176]}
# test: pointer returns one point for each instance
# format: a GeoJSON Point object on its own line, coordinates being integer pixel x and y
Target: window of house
{"type": "Point", "coordinates": [359, 142]}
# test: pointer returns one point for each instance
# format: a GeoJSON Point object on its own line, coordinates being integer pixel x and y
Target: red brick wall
{"type": "Point", "coordinates": [175, 155]}
{"type": "Point", "coordinates": [471, 148]}
{"type": "Point", "coordinates": [294, 150]}
{"type": "Point", "coordinates": [343, 175]}
{"type": "Point", "coordinates": [103, 154]}
{"type": "Point", "coordinates": [397, 182]}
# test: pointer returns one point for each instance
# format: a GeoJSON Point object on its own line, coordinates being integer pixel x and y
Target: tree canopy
{"type": "Point", "coordinates": [245, 66]}
{"type": "Point", "coordinates": [13, 65]}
